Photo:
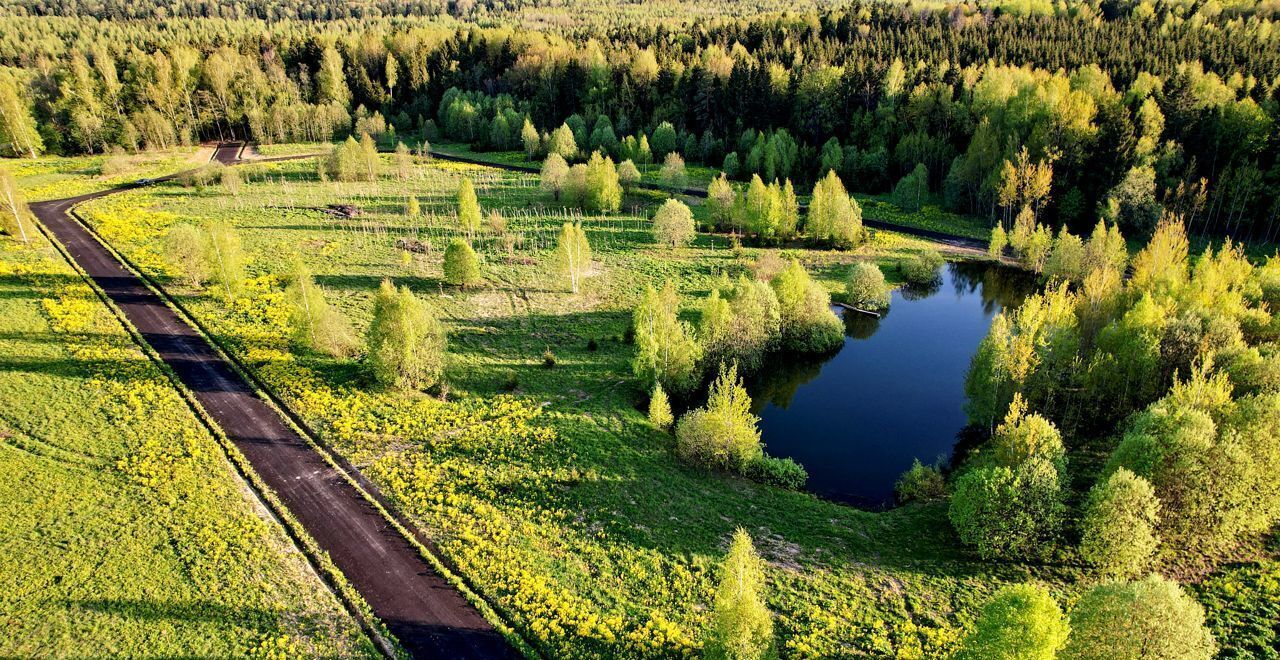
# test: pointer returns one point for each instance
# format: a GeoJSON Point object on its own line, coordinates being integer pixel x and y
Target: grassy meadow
{"type": "Point", "coordinates": [125, 530]}
{"type": "Point", "coordinates": [546, 486]}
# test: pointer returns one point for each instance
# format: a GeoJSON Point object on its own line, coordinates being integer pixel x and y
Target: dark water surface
{"type": "Point", "coordinates": [895, 392]}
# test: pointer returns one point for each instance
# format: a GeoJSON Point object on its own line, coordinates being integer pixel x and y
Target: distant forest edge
{"type": "Point", "coordinates": [1070, 111]}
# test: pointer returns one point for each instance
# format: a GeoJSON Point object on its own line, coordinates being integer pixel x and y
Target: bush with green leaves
{"type": "Point", "coordinates": [406, 341]}
{"type": "Point", "coordinates": [1009, 504]}
{"type": "Point", "coordinates": [807, 323]}
{"type": "Point", "coordinates": [1152, 619]}
{"type": "Point", "coordinates": [742, 626]}
{"type": "Point", "coordinates": [1008, 513]}
{"type": "Point", "coordinates": [186, 248]}
{"type": "Point", "coordinates": [723, 433]}
{"type": "Point", "coordinates": [865, 287]}
{"type": "Point", "coordinates": [780, 472]}
{"type": "Point", "coordinates": [461, 264]}
{"type": "Point", "coordinates": [667, 349]}
{"type": "Point", "coordinates": [921, 483]}
{"type": "Point", "coordinates": [1021, 621]}
{"type": "Point", "coordinates": [740, 324]}
{"type": "Point", "coordinates": [673, 224]}
{"type": "Point", "coordinates": [316, 324]}
{"type": "Point", "coordinates": [922, 269]}
{"type": "Point", "coordinates": [1118, 526]}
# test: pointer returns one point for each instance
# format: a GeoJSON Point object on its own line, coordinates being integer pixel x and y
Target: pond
{"type": "Point", "coordinates": [894, 392]}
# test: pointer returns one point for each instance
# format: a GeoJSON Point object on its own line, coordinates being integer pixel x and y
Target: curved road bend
{"type": "Point", "coordinates": [428, 616]}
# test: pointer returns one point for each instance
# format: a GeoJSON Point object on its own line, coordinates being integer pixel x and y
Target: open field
{"type": "Point", "coordinates": [56, 177]}
{"type": "Point", "coordinates": [125, 529]}
{"type": "Point", "coordinates": [546, 486]}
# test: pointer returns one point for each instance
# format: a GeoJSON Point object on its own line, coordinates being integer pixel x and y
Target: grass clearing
{"type": "Point", "coordinates": [56, 177]}
{"type": "Point", "coordinates": [125, 529]}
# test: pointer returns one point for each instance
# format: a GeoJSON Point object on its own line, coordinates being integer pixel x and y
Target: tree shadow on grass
{"type": "Point", "coordinates": [33, 286]}
{"type": "Point", "coordinates": [188, 611]}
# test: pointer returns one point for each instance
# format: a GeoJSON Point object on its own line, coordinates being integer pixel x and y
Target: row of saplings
{"type": "Point", "coordinates": [405, 344]}
{"type": "Point", "coordinates": [741, 322]}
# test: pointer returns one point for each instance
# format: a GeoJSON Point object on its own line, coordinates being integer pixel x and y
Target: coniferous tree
{"type": "Point", "coordinates": [461, 265]}
{"type": "Point", "coordinates": [742, 626]}
{"type": "Point", "coordinates": [469, 217]}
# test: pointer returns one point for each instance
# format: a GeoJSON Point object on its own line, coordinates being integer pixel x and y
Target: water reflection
{"type": "Point", "coordinates": [895, 391]}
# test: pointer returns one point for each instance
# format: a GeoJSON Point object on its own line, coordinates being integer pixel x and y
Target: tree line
{"type": "Point", "coordinates": [1127, 111]}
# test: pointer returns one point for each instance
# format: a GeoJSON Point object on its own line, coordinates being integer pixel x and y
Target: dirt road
{"type": "Point", "coordinates": [428, 616]}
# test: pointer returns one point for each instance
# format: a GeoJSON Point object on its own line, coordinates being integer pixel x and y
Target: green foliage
{"type": "Point", "coordinates": [806, 320]}
{"type": "Point", "coordinates": [603, 192]}
{"type": "Point", "coordinates": [405, 340]}
{"type": "Point", "coordinates": [316, 324]}
{"type": "Point", "coordinates": [1119, 525]}
{"type": "Point", "coordinates": [673, 224]}
{"type": "Point", "coordinates": [740, 324]}
{"type": "Point", "coordinates": [469, 217]}
{"type": "Point", "coordinates": [922, 269]}
{"type": "Point", "coordinates": [921, 483]}
{"type": "Point", "coordinates": [660, 409]}
{"type": "Point", "coordinates": [1021, 621]}
{"type": "Point", "coordinates": [742, 626]}
{"type": "Point", "coordinates": [663, 141]}
{"type": "Point", "coordinates": [573, 254]}
{"type": "Point", "coordinates": [1008, 513]}
{"type": "Point", "coordinates": [667, 352]}
{"type": "Point", "coordinates": [555, 173]}
{"type": "Point", "coordinates": [187, 248]}
{"type": "Point", "coordinates": [912, 189]}
{"type": "Point", "coordinates": [461, 264]}
{"type": "Point", "coordinates": [865, 287]}
{"type": "Point", "coordinates": [722, 434]}
{"type": "Point", "coordinates": [562, 143]}
{"type": "Point", "coordinates": [226, 259]}
{"type": "Point", "coordinates": [530, 139]}
{"type": "Point", "coordinates": [1151, 618]}
{"type": "Point", "coordinates": [834, 217]}
{"type": "Point", "coordinates": [721, 200]}
{"type": "Point", "coordinates": [672, 174]}
{"type": "Point", "coordinates": [995, 249]}
{"type": "Point", "coordinates": [781, 472]}
{"type": "Point", "coordinates": [1211, 462]}
{"type": "Point", "coordinates": [628, 174]}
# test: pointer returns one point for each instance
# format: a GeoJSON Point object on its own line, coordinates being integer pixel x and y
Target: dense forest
{"type": "Point", "coordinates": [1122, 112]}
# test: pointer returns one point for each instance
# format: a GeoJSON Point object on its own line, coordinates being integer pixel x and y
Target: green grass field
{"type": "Point", "coordinates": [557, 498]}
{"type": "Point", "coordinates": [547, 487]}
{"type": "Point", "coordinates": [56, 177]}
{"type": "Point", "coordinates": [124, 529]}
